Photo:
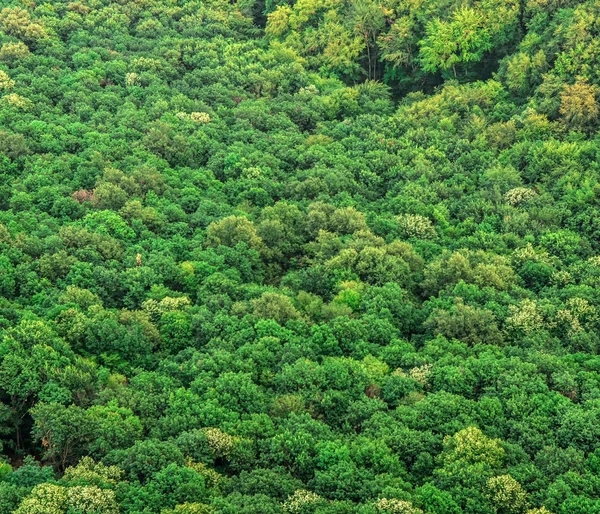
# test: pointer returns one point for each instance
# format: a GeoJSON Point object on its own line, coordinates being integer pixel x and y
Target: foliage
{"type": "Point", "coordinates": [321, 257]}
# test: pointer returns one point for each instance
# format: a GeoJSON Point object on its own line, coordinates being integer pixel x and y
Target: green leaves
{"type": "Point", "coordinates": [463, 40]}
{"type": "Point", "coordinates": [248, 277]}
{"type": "Point", "coordinates": [65, 434]}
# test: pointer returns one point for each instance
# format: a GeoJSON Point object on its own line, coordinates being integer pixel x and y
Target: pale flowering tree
{"type": "Point", "coordinates": [10, 52]}
{"type": "Point", "coordinates": [196, 117]}
{"type": "Point", "coordinates": [6, 83]}
{"type": "Point", "coordinates": [56, 499]}
{"type": "Point", "coordinates": [519, 195]}
{"type": "Point", "coordinates": [17, 22]}
{"type": "Point", "coordinates": [190, 508]}
{"type": "Point", "coordinates": [415, 225]}
{"type": "Point", "coordinates": [576, 315]}
{"type": "Point", "coordinates": [530, 253]}
{"type": "Point", "coordinates": [395, 506]}
{"type": "Point", "coordinates": [91, 500]}
{"type": "Point", "coordinates": [200, 117]}
{"type": "Point", "coordinates": [44, 499]}
{"type": "Point", "coordinates": [93, 472]}
{"type": "Point", "coordinates": [421, 374]}
{"type": "Point", "coordinates": [302, 499]}
{"type": "Point", "coordinates": [132, 79]}
{"type": "Point", "coordinates": [525, 317]}
{"type": "Point", "coordinates": [220, 443]}
{"type": "Point", "coordinates": [18, 101]}
{"type": "Point", "coordinates": [506, 494]}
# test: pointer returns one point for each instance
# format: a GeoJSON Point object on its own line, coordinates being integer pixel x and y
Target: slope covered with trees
{"type": "Point", "coordinates": [305, 257]}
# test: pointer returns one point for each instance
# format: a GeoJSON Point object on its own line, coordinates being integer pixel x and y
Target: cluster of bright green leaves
{"type": "Point", "coordinates": [407, 43]}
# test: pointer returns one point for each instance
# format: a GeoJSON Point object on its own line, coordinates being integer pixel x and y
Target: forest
{"type": "Point", "coordinates": [299, 257]}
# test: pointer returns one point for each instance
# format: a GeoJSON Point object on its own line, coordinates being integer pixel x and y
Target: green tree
{"type": "Point", "coordinates": [578, 106]}
{"type": "Point", "coordinates": [231, 231]}
{"type": "Point", "coordinates": [461, 41]}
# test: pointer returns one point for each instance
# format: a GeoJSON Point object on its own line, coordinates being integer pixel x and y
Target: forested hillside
{"type": "Point", "coordinates": [314, 257]}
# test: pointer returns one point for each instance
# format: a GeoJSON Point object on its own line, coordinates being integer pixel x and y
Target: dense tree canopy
{"type": "Point", "coordinates": [299, 257]}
